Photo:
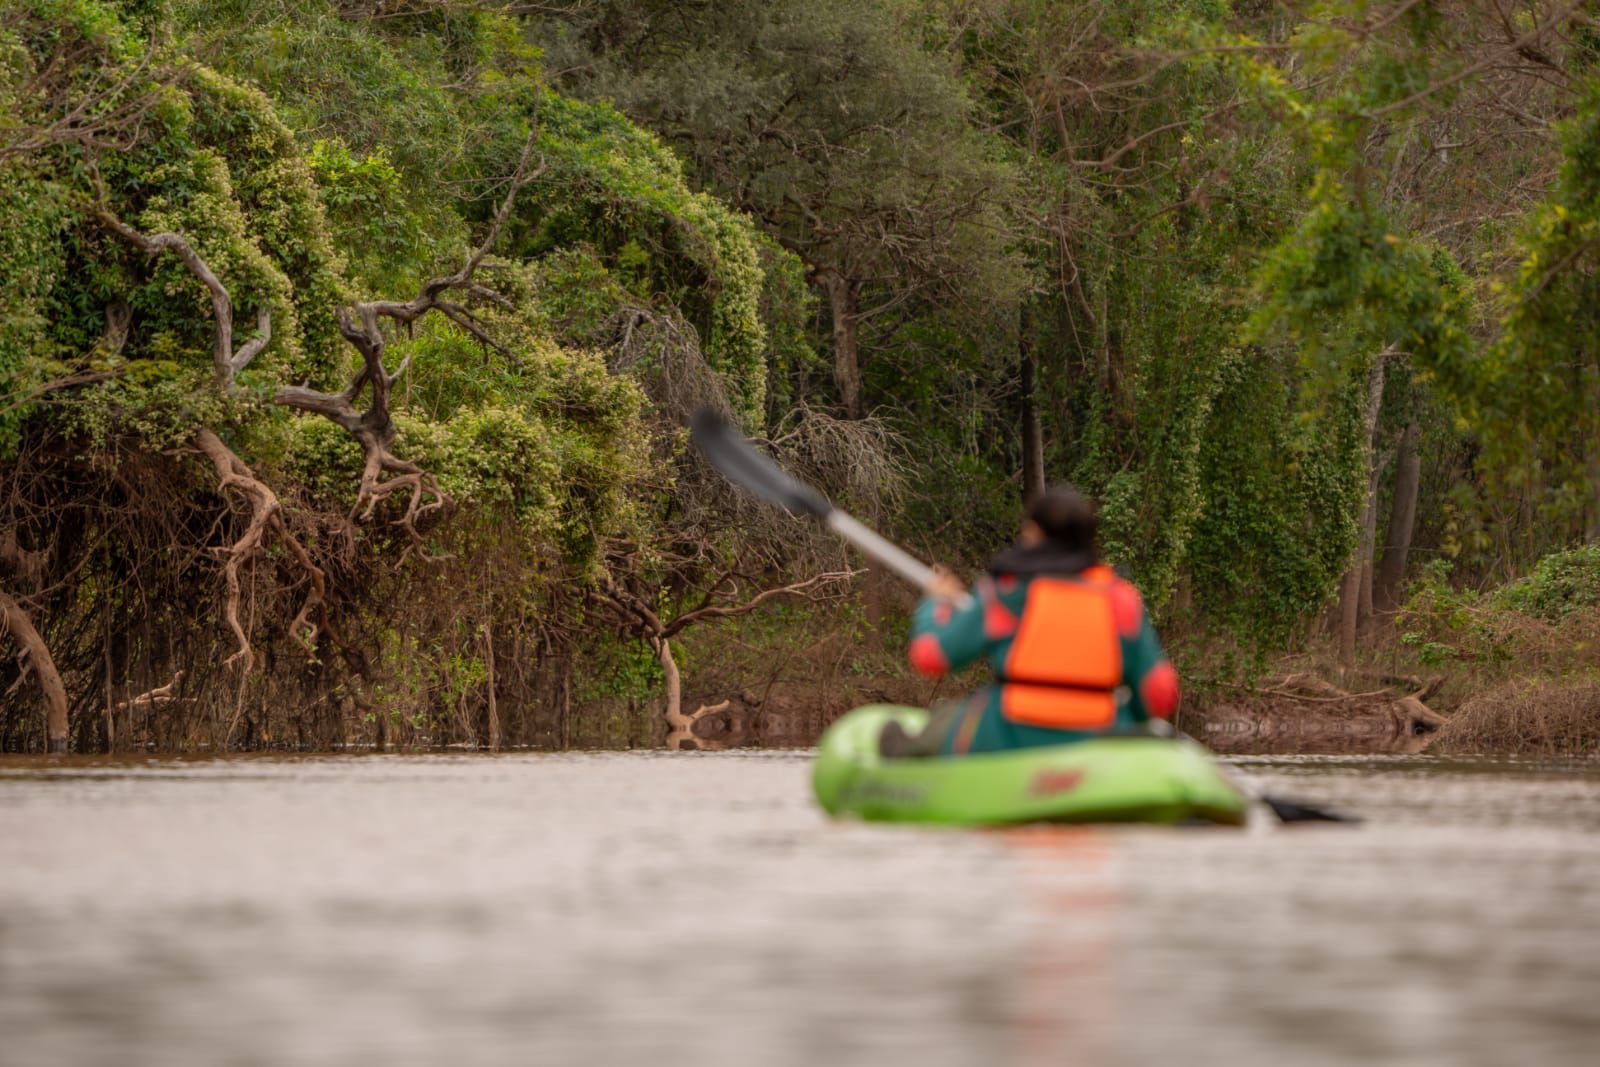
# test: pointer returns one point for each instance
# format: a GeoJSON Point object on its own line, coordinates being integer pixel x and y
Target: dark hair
{"type": "Point", "coordinates": [1066, 517]}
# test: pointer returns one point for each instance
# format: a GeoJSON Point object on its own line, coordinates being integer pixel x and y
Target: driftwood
{"type": "Point", "coordinates": [154, 698]}
{"type": "Point", "coordinates": [1302, 712]}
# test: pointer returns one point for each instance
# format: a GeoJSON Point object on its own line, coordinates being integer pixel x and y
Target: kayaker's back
{"type": "Point", "coordinates": [1073, 655]}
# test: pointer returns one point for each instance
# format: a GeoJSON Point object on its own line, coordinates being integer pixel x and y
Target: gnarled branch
{"type": "Point", "coordinates": [226, 363]}
{"type": "Point", "coordinates": [384, 474]}
{"type": "Point", "coordinates": [725, 611]}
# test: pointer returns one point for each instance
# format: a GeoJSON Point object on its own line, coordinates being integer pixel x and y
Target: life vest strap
{"type": "Point", "coordinates": [1047, 684]}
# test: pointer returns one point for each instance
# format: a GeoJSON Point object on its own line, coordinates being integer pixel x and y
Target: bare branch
{"type": "Point", "coordinates": [105, 117]}
{"type": "Point", "coordinates": [1515, 46]}
{"type": "Point", "coordinates": [427, 299]}
{"type": "Point", "coordinates": [470, 324]}
{"type": "Point", "coordinates": [226, 364]}
{"type": "Point", "coordinates": [1111, 159]}
{"type": "Point", "coordinates": [718, 611]}
{"type": "Point", "coordinates": [17, 400]}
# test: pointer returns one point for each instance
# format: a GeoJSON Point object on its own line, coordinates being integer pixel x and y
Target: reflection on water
{"type": "Point", "coordinates": [696, 909]}
{"type": "Point", "coordinates": [1063, 999]}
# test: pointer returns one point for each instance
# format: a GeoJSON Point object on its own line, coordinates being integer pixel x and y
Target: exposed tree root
{"type": "Point", "coordinates": [15, 621]}
{"type": "Point", "coordinates": [494, 706]}
{"type": "Point", "coordinates": [233, 474]}
{"type": "Point", "coordinates": [382, 473]}
{"type": "Point", "coordinates": [680, 725]}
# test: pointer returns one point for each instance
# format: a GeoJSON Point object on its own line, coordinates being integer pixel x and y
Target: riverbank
{"type": "Point", "coordinates": [1508, 684]}
{"type": "Point", "coordinates": [1454, 675]}
{"type": "Point", "coordinates": [1309, 704]}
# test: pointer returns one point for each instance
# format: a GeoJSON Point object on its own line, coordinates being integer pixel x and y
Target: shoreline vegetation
{"type": "Point", "coordinates": [345, 350]}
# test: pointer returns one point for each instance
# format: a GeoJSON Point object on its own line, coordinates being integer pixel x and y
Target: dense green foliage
{"type": "Point", "coordinates": [1174, 242]}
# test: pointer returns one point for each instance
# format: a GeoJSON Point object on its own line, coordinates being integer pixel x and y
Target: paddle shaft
{"type": "Point", "coordinates": [886, 552]}
{"type": "Point", "coordinates": [731, 453]}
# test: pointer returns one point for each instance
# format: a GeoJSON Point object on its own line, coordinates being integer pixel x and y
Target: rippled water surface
{"type": "Point", "coordinates": [697, 909]}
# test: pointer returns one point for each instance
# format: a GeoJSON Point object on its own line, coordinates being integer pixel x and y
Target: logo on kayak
{"type": "Point", "coordinates": [867, 792]}
{"type": "Point", "coordinates": [1049, 783]}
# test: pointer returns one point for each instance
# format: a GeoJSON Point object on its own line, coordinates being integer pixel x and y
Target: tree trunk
{"type": "Point", "coordinates": [673, 712]}
{"type": "Point", "coordinates": [494, 710]}
{"type": "Point", "coordinates": [874, 600]}
{"type": "Point", "coordinates": [111, 713]}
{"type": "Point", "coordinates": [1402, 521]}
{"type": "Point", "coordinates": [381, 718]}
{"type": "Point", "coordinates": [1369, 537]}
{"type": "Point", "coordinates": [1350, 591]}
{"type": "Point", "coordinates": [841, 294]}
{"type": "Point", "coordinates": [15, 621]}
{"type": "Point", "coordinates": [1032, 434]}
{"type": "Point", "coordinates": [566, 703]}
{"type": "Point", "coordinates": [1593, 466]}
{"type": "Point", "coordinates": [680, 726]}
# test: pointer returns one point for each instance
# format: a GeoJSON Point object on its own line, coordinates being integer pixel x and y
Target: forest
{"type": "Point", "coordinates": [346, 348]}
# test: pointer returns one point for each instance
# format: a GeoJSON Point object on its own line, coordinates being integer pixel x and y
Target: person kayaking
{"type": "Point", "coordinates": [1073, 652]}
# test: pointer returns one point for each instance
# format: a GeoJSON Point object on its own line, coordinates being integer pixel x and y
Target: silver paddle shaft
{"type": "Point", "coordinates": [885, 552]}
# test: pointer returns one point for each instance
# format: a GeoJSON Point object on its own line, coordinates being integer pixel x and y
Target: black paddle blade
{"type": "Point", "coordinates": [1296, 811]}
{"type": "Point", "coordinates": [738, 461]}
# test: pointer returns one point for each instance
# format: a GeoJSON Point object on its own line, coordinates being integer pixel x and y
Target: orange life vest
{"type": "Point", "coordinates": [1065, 662]}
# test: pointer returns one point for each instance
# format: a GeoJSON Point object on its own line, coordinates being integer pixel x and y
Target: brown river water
{"type": "Point", "coordinates": [665, 909]}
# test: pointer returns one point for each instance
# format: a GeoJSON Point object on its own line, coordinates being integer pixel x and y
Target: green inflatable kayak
{"type": "Point", "coordinates": [1106, 779]}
